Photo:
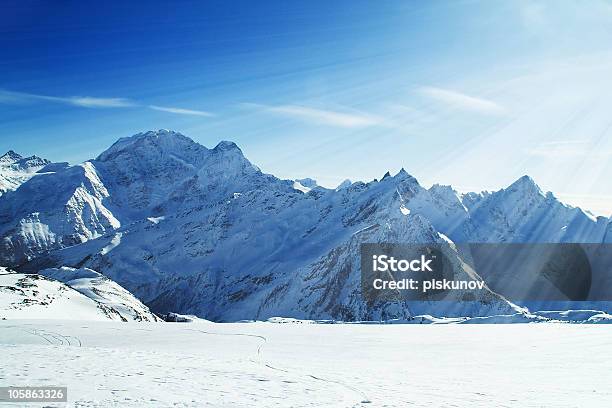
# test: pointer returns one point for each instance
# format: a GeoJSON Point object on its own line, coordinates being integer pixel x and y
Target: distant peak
{"type": "Point", "coordinates": [34, 157]}
{"type": "Point", "coordinates": [402, 174]}
{"type": "Point", "coordinates": [163, 139]}
{"type": "Point", "coordinates": [10, 156]}
{"type": "Point", "coordinates": [403, 177]}
{"type": "Point", "coordinates": [11, 153]}
{"type": "Point", "coordinates": [525, 184]}
{"type": "Point", "coordinates": [156, 134]}
{"type": "Point", "coordinates": [407, 186]}
{"type": "Point", "coordinates": [226, 145]}
{"type": "Point", "coordinates": [524, 181]}
{"type": "Point", "coordinates": [33, 161]}
{"type": "Point", "coordinates": [159, 133]}
{"type": "Point", "coordinates": [442, 189]}
{"type": "Point", "coordinates": [345, 184]}
{"type": "Point", "coordinates": [307, 182]}
{"type": "Point", "coordinates": [15, 159]}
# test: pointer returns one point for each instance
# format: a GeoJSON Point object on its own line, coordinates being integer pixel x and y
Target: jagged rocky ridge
{"type": "Point", "coordinates": [203, 231]}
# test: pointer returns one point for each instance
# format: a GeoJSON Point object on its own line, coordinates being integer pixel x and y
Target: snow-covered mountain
{"type": "Point", "coordinates": [111, 298]}
{"type": "Point", "coordinates": [54, 210]}
{"type": "Point", "coordinates": [16, 169]}
{"type": "Point", "coordinates": [68, 293]}
{"type": "Point", "coordinates": [203, 231]}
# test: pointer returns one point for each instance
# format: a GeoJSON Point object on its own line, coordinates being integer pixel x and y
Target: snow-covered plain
{"type": "Point", "coordinates": [106, 364]}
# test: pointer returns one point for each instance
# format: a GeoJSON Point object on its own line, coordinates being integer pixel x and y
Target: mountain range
{"type": "Point", "coordinates": [204, 231]}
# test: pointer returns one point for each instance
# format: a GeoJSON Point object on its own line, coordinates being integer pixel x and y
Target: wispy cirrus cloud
{"type": "Point", "coordinates": [19, 98]}
{"type": "Point", "coordinates": [462, 101]}
{"type": "Point", "coordinates": [82, 101]}
{"type": "Point", "coordinates": [180, 111]}
{"type": "Point", "coordinates": [91, 102]}
{"type": "Point", "coordinates": [322, 116]}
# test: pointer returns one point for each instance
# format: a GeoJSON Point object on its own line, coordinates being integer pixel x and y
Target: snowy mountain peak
{"type": "Point", "coordinates": [345, 184]}
{"type": "Point", "coordinates": [32, 161]}
{"type": "Point", "coordinates": [15, 169]}
{"type": "Point", "coordinates": [155, 134]}
{"type": "Point", "coordinates": [305, 185]}
{"type": "Point", "coordinates": [17, 161]}
{"type": "Point", "coordinates": [404, 175]}
{"type": "Point", "coordinates": [307, 182]}
{"type": "Point", "coordinates": [153, 142]}
{"type": "Point", "coordinates": [226, 145]}
{"type": "Point", "coordinates": [159, 133]}
{"type": "Point", "coordinates": [442, 190]}
{"type": "Point", "coordinates": [10, 157]}
{"type": "Point", "coordinates": [404, 181]}
{"type": "Point", "coordinates": [525, 184]}
{"type": "Point", "coordinates": [226, 162]}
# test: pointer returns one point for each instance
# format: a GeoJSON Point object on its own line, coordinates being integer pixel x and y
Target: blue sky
{"type": "Point", "coordinates": [468, 93]}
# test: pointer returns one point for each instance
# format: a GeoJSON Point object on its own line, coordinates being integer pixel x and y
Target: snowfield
{"type": "Point", "coordinates": [107, 364]}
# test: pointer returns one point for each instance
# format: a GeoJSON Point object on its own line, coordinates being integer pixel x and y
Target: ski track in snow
{"type": "Point", "coordinates": [364, 398]}
{"type": "Point", "coordinates": [58, 355]}
{"type": "Point", "coordinates": [54, 338]}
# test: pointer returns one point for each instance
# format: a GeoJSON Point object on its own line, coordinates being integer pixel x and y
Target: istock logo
{"type": "Point", "coordinates": [392, 272]}
{"type": "Point", "coordinates": [384, 263]}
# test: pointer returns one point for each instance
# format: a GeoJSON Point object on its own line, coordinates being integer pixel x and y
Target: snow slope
{"type": "Point", "coordinates": [311, 365]}
{"type": "Point", "coordinates": [35, 297]}
{"type": "Point", "coordinates": [52, 210]}
{"type": "Point", "coordinates": [106, 293]}
{"type": "Point", "coordinates": [67, 294]}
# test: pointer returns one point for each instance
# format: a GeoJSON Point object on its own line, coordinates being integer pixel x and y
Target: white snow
{"type": "Point", "coordinates": [114, 301]}
{"type": "Point", "coordinates": [16, 170]}
{"type": "Point", "coordinates": [34, 297]}
{"type": "Point", "coordinates": [113, 243]}
{"type": "Point", "coordinates": [310, 365]}
{"type": "Point", "coordinates": [298, 186]}
{"type": "Point", "coordinates": [345, 184]}
{"type": "Point", "coordinates": [67, 293]}
{"type": "Point", "coordinates": [155, 220]}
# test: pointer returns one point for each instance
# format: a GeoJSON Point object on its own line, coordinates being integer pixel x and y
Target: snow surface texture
{"type": "Point", "coordinates": [108, 364]}
{"type": "Point", "coordinates": [203, 231]}
{"type": "Point", "coordinates": [68, 293]}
